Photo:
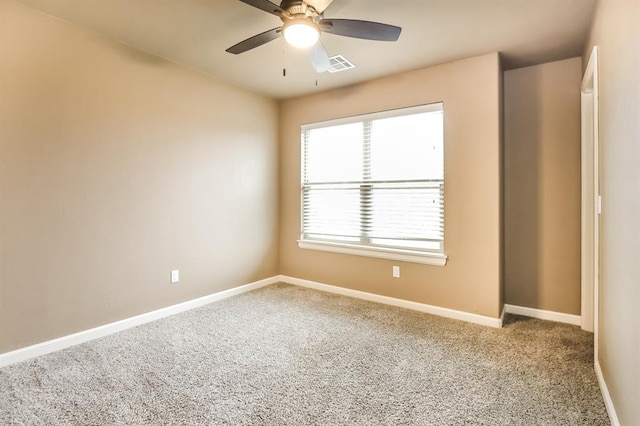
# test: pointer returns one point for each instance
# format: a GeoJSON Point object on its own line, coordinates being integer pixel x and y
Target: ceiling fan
{"type": "Point", "coordinates": [302, 23]}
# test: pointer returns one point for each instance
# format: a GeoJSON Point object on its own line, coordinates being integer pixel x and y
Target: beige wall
{"type": "Point", "coordinates": [616, 32]}
{"type": "Point", "coordinates": [471, 94]}
{"type": "Point", "coordinates": [542, 186]}
{"type": "Point", "coordinates": [116, 167]}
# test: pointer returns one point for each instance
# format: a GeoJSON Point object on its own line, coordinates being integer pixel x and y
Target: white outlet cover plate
{"type": "Point", "coordinates": [175, 276]}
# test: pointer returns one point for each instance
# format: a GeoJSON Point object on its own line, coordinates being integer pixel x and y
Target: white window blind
{"type": "Point", "coordinates": [376, 180]}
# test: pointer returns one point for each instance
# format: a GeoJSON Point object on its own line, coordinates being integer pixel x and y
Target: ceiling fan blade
{"type": "Point", "coordinates": [319, 57]}
{"type": "Point", "coordinates": [266, 5]}
{"type": "Point", "coordinates": [319, 5]}
{"type": "Point", "coordinates": [361, 29]}
{"type": "Point", "coordinates": [255, 41]}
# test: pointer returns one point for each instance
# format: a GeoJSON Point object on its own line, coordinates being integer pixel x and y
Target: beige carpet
{"type": "Point", "coordinates": [285, 355]}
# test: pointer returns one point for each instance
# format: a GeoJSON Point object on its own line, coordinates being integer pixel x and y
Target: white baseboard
{"type": "Point", "coordinates": [64, 342]}
{"type": "Point", "coordinates": [43, 348]}
{"type": "Point", "coordinates": [544, 315]}
{"type": "Point", "coordinates": [608, 402]}
{"type": "Point", "coordinates": [429, 309]}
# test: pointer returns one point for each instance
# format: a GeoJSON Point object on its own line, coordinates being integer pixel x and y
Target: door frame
{"type": "Point", "coordinates": [591, 199]}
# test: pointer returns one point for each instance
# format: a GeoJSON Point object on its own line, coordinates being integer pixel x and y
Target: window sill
{"type": "Point", "coordinates": [436, 259]}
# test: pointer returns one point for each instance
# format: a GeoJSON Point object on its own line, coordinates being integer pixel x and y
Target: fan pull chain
{"type": "Point", "coordinates": [284, 58]}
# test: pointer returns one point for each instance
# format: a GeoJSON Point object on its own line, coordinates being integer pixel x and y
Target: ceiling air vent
{"type": "Point", "coordinates": [340, 63]}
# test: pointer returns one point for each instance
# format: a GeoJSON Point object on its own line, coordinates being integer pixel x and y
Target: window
{"type": "Point", "coordinates": [373, 185]}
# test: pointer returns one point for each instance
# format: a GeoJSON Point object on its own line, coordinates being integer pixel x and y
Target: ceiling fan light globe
{"type": "Point", "coordinates": [301, 33]}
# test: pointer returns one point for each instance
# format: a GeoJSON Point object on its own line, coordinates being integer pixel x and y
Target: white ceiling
{"type": "Point", "coordinates": [196, 33]}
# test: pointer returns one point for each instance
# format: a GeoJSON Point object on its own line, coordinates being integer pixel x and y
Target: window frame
{"type": "Point", "coordinates": [437, 258]}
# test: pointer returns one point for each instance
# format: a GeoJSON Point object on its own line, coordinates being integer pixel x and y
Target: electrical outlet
{"type": "Point", "coordinates": [175, 276]}
{"type": "Point", "coordinates": [396, 271]}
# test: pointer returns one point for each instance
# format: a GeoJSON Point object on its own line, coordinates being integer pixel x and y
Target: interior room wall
{"type": "Point", "coordinates": [115, 168]}
{"type": "Point", "coordinates": [617, 34]}
{"type": "Point", "coordinates": [542, 186]}
{"type": "Point", "coordinates": [471, 279]}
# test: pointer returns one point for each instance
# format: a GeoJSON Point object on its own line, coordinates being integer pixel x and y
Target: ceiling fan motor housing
{"type": "Point", "coordinates": [299, 9]}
